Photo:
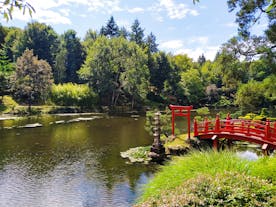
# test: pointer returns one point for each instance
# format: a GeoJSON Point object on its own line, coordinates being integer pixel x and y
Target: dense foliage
{"type": "Point", "coordinates": [125, 68]}
{"type": "Point", "coordinates": [213, 179]}
{"type": "Point", "coordinates": [116, 69]}
{"type": "Point", "coordinates": [32, 79]}
{"type": "Point", "coordinates": [71, 94]}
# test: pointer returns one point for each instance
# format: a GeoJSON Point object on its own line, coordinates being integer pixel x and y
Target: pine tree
{"type": "Point", "coordinates": [151, 43]}
{"type": "Point", "coordinates": [6, 68]}
{"type": "Point", "coordinates": [111, 29]}
{"type": "Point", "coordinates": [137, 33]}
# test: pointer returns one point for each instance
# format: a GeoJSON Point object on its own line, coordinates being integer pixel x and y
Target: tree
{"type": "Point", "coordinates": [123, 32]}
{"type": "Point", "coordinates": [137, 33]}
{"type": "Point", "coordinates": [270, 89]}
{"type": "Point", "coordinates": [32, 79]}
{"type": "Point", "coordinates": [74, 55]}
{"type": "Point", "coordinates": [183, 62]}
{"type": "Point", "coordinates": [89, 38]}
{"type": "Point", "coordinates": [250, 95]}
{"type": "Point", "coordinates": [151, 43]}
{"type": "Point", "coordinates": [59, 70]}
{"type": "Point", "coordinates": [6, 68]}
{"type": "Point", "coordinates": [116, 69]}
{"type": "Point", "coordinates": [231, 71]}
{"type": "Point", "coordinates": [160, 69]}
{"type": "Point", "coordinates": [7, 7]}
{"type": "Point", "coordinates": [201, 60]}
{"type": "Point", "coordinates": [42, 39]}
{"type": "Point", "coordinates": [250, 48]}
{"type": "Point", "coordinates": [250, 12]}
{"type": "Point", "coordinates": [3, 33]}
{"type": "Point", "coordinates": [111, 29]}
{"type": "Point", "coordinates": [11, 40]}
{"type": "Point", "coordinates": [193, 86]}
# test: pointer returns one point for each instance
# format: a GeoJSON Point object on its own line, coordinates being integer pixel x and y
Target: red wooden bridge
{"type": "Point", "coordinates": [259, 132]}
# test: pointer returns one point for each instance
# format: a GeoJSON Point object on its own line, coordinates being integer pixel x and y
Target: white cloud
{"type": "Point", "coordinates": [159, 18]}
{"type": "Point", "coordinates": [202, 40]}
{"type": "Point", "coordinates": [136, 10]}
{"type": "Point", "coordinates": [231, 24]}
{"type": "Point", "coordinates": [209, 52]}
{"type": "Point", "coordinates": [106, 6]}
{"type": "Point", "coordinates": [57, 11]}
{"type": "Point", "coordinates": [172, 44]}
{"type": "Point", "coordinates": [45, 16]}
{"type": "Point", "coordinates": [174, 10]}
{"type": "Point", "coordinates": [65, 12]}
{"type": "Point", "coordinates": [51, 17]}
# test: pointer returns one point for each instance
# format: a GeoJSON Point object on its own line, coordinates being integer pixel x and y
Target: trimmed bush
{"type": "Point", "coordinates": [71, 94]}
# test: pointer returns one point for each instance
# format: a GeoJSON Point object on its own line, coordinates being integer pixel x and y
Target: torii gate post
{"type": "Point", "coordinates": [181, 111]}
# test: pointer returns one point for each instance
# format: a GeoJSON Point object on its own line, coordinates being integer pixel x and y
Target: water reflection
{"type": "Point", "coordinates": [76, 164]}
{"type": "Point", "coordinates": [248, 155]}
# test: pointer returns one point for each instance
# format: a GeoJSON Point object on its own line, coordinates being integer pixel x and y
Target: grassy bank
{"type": "Point", "coordinates": [183, 179]}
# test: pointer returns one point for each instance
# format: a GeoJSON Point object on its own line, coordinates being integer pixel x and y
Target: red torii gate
{"type": "Point", "coordinates": [181, 111]}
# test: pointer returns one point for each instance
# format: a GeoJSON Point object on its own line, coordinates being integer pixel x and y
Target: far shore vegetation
{"type": "Point", "coordinates": [115, 67]}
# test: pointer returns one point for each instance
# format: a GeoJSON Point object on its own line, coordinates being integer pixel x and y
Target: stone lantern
{"type": "Point", "coordinates": [157, 150]}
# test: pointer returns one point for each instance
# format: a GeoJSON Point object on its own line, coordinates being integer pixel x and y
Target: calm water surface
{"type": "Point", "coordinates": [72, 164]}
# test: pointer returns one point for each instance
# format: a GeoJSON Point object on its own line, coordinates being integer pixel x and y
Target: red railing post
{"type": "Point", "coordinates": [242, 127]}
{"type": "Point", "coordinates": [227, 127]}
{"type": "Point", "coordinates": [173, 122]}
{"type": "Point", "coordinates": [267, 130]}
{"type": "Point", "coordinates": [248, 128]}
{"type": "Point", "coordinates": [195, 128]}
{"type": "Point", "coordinates": [206, 125]}
{"type": "Point", "coordinates": [217, 126]}
{"type": "Point", "coordinates": [189, 125]}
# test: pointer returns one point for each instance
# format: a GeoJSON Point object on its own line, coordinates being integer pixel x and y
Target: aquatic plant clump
{"type": "Point", "coordinates": [137, 154]}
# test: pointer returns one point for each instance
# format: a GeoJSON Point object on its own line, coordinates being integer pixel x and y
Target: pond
{"type": "Point", "coordinates": [71, 163]}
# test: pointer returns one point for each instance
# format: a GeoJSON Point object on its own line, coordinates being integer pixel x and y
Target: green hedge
{"type": "Point", "coordinates": [71, 94]}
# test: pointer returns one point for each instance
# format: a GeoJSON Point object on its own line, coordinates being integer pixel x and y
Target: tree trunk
{"type": "Point", "coordinates": [132, 103]}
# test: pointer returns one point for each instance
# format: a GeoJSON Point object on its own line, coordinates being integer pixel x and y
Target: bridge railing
{"type": "Point", "coordinates": [264, 130]}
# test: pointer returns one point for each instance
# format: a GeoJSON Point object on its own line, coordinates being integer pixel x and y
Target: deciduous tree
{"type": "Point", "coordinates": [32, 79]}
{"type": "Point", "coordinates": [42, 39]}
{"type": "Point", "coordinates": [116, 69]}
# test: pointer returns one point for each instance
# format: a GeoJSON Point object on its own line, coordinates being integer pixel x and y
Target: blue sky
{"type": "Point", "coordinates": [179, 25]}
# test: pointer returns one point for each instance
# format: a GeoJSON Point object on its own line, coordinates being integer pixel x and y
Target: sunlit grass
{"type": "Point", "coordinates": [181, 169]}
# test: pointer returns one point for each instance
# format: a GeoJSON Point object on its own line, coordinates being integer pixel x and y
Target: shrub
{"type": "Point", "coordinates": [8, 104]}
{"type": "Point", "coordinates": [212, 164]}
{"type": "Point", "coordinates": [225, 189]}
{"type": "Point", "coordinates": [71, 94]}
{"type": "Point", "coordinates": [204, 111]}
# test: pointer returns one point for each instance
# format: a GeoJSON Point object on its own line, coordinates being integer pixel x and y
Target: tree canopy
{"type": "Point", "coordinates": [32, 78]}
